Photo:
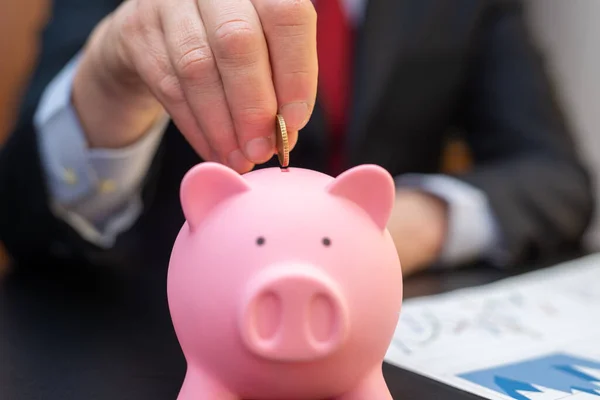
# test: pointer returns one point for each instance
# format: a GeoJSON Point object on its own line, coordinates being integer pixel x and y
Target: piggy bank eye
{"type": "Point", "coordinates": [326, 242]}
{"type": "Point", "coordinates": [260, 241]}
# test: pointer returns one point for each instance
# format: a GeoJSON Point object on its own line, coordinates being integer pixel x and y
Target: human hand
{"type": "Point", "coordinates": [418, 226]}
{"type": "Point", "coordinates": [221, 69]}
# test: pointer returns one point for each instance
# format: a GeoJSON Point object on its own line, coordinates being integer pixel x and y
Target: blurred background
{"type": "Point", "coordinates": [567, 31]}
{"type": "Point", "coordinates": [20, 24]}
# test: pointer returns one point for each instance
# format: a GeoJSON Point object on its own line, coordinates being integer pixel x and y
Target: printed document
{"type": "Point", "coordinates": [534, 336]}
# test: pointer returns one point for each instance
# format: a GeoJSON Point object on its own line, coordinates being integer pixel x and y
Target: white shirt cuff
{"type": "Point", "coordinates": [96, 191]}
{"type": "Point", "coordinates": [472, 228]}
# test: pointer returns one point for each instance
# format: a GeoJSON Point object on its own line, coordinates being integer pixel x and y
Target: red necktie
{"type": "Point", "coordinates": [334, 45]}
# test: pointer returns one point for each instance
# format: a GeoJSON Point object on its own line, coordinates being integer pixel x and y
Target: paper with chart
{"type": "Point", "coordinates": [535, 336]}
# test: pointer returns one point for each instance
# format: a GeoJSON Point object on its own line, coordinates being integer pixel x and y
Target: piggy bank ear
{"type": "Point", "coordinates": [371, 188]}
{"type": "Point", "coordinates": [205, 186]}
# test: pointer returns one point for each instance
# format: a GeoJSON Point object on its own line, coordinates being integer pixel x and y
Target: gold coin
{"type": "Point", "coordinates": [283, 145]}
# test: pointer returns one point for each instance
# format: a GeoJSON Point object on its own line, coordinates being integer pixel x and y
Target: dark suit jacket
{"type": "Point", "coordinates": [424, 68]}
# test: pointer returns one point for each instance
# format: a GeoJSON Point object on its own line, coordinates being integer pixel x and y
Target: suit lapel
{"type": "Point", "coordinates": [388, 28]}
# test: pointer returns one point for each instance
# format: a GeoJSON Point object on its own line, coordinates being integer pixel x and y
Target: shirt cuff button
{"type": "Point", "coordinates": [70, 176]}
{"type": "Point", "coordinates": [107, 186]}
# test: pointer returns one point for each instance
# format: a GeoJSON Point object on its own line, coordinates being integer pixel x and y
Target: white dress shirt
{"type": "Point", "coordinates": [97, 191]}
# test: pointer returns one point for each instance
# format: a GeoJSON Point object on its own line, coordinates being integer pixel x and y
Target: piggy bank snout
{"type": "Point", "coordinates": [294, 313]}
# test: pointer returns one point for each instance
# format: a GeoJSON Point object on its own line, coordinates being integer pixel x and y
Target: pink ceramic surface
{"type": "Point", "coordinates": [285, 284]}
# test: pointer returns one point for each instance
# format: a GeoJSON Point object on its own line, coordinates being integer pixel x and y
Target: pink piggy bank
{"type": "Point", "coordinates": [285, 284]}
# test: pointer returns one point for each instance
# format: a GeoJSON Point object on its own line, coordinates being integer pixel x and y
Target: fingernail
{"type": "Point", "coordinates": [259, 150]}
{"type": "Point", "coordinates": [238, 161]}
{"type": "Point", "coordinates": [295, 115]}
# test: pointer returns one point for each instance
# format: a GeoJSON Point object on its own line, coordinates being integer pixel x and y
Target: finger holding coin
{"type": "Point", "coordinates": [221, 69]}
{"type": "Point", "coordinates": [290, 29]}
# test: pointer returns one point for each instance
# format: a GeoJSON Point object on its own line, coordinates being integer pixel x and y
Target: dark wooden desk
{"type": "Point", "coordinates": [73, 332]}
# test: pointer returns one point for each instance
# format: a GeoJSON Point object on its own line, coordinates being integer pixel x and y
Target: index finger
{"type": "Point", "coordinates": [237, 41]}
{"type": "Point", "coordinates": [290, 28]}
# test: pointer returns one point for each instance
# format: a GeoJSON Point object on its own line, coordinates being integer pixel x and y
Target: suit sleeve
{"type": "Point", "coordinates": [525, 158]}
{"type": "Point", "coordinates": [28, 227]}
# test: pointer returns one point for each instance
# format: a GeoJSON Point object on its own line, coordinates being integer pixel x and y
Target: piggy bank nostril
{"type": "Point", "coordinates": [268, 315]}
{"type": "Point", "coordinates": [321, 318]}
